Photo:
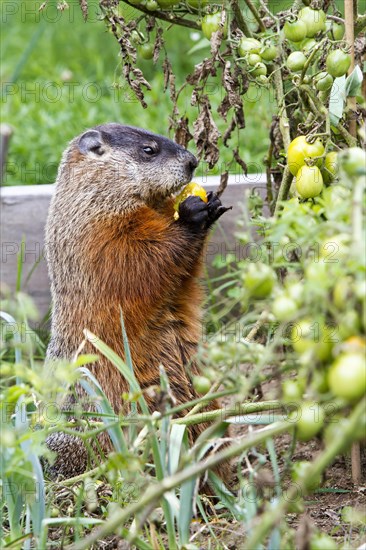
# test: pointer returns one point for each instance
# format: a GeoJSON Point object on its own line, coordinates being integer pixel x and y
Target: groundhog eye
{"type": "Point", "coordinates": [148, 150]}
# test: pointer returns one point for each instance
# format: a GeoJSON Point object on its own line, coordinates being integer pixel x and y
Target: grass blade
{"type": "Point", "coordinates": [115, 432]}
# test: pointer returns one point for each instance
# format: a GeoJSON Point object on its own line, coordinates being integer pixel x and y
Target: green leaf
{"type": "Point", "coordinates": [123, 368]}
{"type": "Point", "coordinates": [337, 100]}
{"type": "Point", "coordinates": [353, 82]}
{"type": "Point", "coordinates": [175, 445]}
{"type": "Point", "coordinates": [115, 432]}
{"type": "Point", "coordinates": [186, 510]}
{"type": "Point", "coordinates": [201, 45]}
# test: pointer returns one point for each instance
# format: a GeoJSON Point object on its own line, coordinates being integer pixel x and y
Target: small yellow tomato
{"type": "Point", "coordinates": [189, 190]}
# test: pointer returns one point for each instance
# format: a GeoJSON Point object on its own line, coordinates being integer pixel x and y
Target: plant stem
{"type": "Point", "coordinates": [284, 122]}
{"type": "Point", "coordinates": [360, 24]}
{"type": "Point", "coordinates": [284, 189]}
{"type": "Point", "coordinates": [357, 229]}
{"type": "Point", "coordinates": [238, 16]}
{"type": "Point", "coordinates": [314, 51]}
{"type": "Point", "coordinates": [156, 491]}
{"type": "Point", "coordinates": [273, 516]}
{"type": "Point", "coordinates": [350, 39]}
{"type": "Point", "coordinates": [223, 414]}
{"type": "Point", "coordinates": [350, 140]}
{"type": "Point", "coordinates": [257, 17]}
{"type": "Point", "coordinates": [166, 16]}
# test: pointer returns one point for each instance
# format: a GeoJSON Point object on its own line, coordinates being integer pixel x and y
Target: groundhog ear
{"type": "Point", "coordinates": [91, 142]}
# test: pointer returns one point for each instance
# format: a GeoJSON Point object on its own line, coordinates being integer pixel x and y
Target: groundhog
{"type": "Point", "coordinates": [112, 244]}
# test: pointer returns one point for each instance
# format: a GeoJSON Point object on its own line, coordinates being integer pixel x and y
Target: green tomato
{"type": "Point", "coordinates": [335, 30]}
{"type": "Point", "coordinates": [330, 168]}
{"type": "Point", "coordinates": [296, 292]}
{"type": "Point", "coordinates": [338, 62]}
{"type": "Point", "coordinates": [323, 82]}
{"type": "Point", "coordinates": [334, 248]}
{"type": "Point", "coordinates": [296, 61]}
{"type": "Point", "coordinates": [284, 308]}
{"type": "Point", "coordinates": [253, 59]}
{"type": "Point", "coordinates": [269, 52]}
{"type": "Point", "coordinates": [291, 391]}
{"type": "Point", "coordinates": [262, 79]}
{"type": "Point", "coordinates": [167, 4]}
{"type": "Point", "coordinates": [295, 31]}
{"type": "Point", "coordinates": [310, 420]}
{"type": "Point", "coordinates": [309, 182]}
{"type": "Point", "coordinates": [136, 38]}
{"type": "Point", "coordinates": [211, 24]}
{"type": "Point", "coordinates": [259, 70]}
{"type": "Point", "coordinates": [334, 196]}
{"type": "Point", "coordinates": [316, 273]}
{"type": "Point", "coordinates": [201, 384]}
{"type": "Point", "coordinates": [151, 5]}
{"type": "Point", "coordinates": [249, 45]}
{"type": "Point", "coordinates": [259, 280]}
{"type": "Point", "coordinates": [217, 354]}
{"type": "Point", "coordinates": [146, 51]}
{"type": "Point", "coordinates": [197, 4]}
{"type": "Point", "coordinates": [347, 376]}
{"type": "Point", "coordinates": [308, 44]}
{"type": "Point", "coordinates": [320, 381]}
{"type": "Point", "coordinates": [300, 473]}
{"type": "Point", "coordinates": [353, 161]}
{"type": "Point", "coordinates": [322, 542]}
{"type": "Point", "coordinates": [299, 150]}
{"type": "Point", "coordinates": [341, 292]}
{"type": "Point", "coordinates": [315, 20]}
{"type": "Point", "coordinates": [349, 324]}
{"type": "Point", "coordinates": [307, 336]}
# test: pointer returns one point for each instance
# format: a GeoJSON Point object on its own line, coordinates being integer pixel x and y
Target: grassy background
{"type": "Point", "coordinates": [58, 75]}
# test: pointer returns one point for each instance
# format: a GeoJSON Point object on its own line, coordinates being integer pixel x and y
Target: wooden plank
{"type": "Point", "coordinates": [23, 216]}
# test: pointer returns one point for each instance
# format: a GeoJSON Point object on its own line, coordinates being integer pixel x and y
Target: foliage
{"type": "Point", "coordinates": [60, 84]}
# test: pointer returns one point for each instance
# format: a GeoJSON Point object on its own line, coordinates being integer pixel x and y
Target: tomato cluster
{"type": "Point", "coordinates": [311, 166]}
{"type": "Point", "coordinates": [309, 35]}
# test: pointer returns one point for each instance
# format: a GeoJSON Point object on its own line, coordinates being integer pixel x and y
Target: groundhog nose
{"type": "Point", "coordinates": [192, 162]}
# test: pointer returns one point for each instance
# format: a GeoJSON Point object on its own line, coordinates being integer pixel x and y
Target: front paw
{"type": "Point", "coordinates": [196, 213]}
{"type": "Point", "coordinates": [215, 208]}
{"type": "Point", "coordinates": [193, 212]}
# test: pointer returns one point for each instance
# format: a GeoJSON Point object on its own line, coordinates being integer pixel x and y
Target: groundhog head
{"type": "Point", "coordinates": [124, 161]}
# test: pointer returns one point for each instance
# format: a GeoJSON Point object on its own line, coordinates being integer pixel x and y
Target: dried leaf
{"type": "Point", "coordinates": [206, 134]}
{"type": "Point", "coordinates": [182, 134]}
{"type": "Point", "coordinates": [229, 131]}
{"type": "Point", "coordinates": [150, 24]}
{"type": "Point", "coordinates": [233, 84]}
{"type": "Point", "coordinates": [159, 42]}
{"type": "Point", "coordinates": [240, 161]}
{"type": "Point", "coordinates": [84, 8]}
{"type": "Point", "coordinates": [218, 36]}
{"type": "Point", "coordinates": [202, 71]}
{"type": "Point", "coordinates": [224, 178]}
{"type": "Point", "coordinates": [137, 83]}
